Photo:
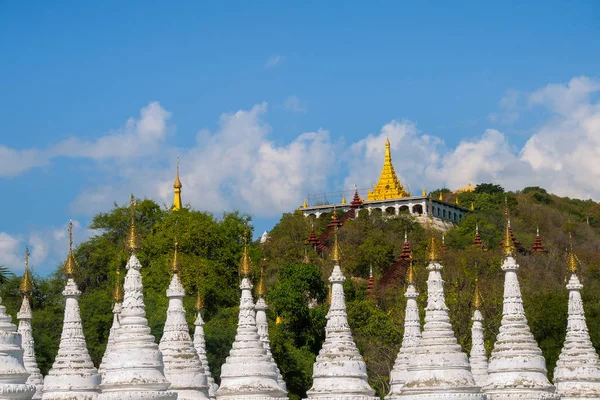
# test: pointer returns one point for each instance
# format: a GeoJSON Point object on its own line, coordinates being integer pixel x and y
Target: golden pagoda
{"type": "Point", "coordinates": [177, 188]}
{"type": "Point", "coordinates": [388, 186]}
{"type": "Point", "coordinates": [466, 189]}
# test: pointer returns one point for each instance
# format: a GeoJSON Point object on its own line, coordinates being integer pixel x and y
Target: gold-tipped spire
{"type": "Point", "coordinates": [26, 286]}
{"type": "Point", "coordinates": [261, 289]}
{"type": "Point", "coordinates": [456, 201]}
{"type": "Point", "coordinates": [508, 245]}
{"type": "Point", "coordinates": [70, 263]}
{"type": "Point", "coordinates": [329, 293]}
{"type": "Point", "coordinates": [304, 205]}
{"type": "Point", "coordinates": [335, 251]}
{"type": "Point", "coordinates": [477, 299]}
{"type": "Point", "coordinates": [118, 290]}
{"type": "Point", "coordinates": [177, 190]}
{"type": "Point", "coordinates": [441, 197]}
{"type": "Point", "coordinates": [432, 249]}
{"type": "Point", "coordinates": [410, 274]}
{"type": "Point", "coordinates": [175, 264]}
{"type": "Point", "coordinates": [424, 192]}
{"type": "Point", "coordinates": [133, 239]}
{"type": "Point", "coordinates": [572, 265]}
{"type": "Point", "coordinates": [199, 301]}
{"type": "Point", "coordinates": [246, 263]}
{"type": "Point", "coordinates": [472, 206]}
{"type": "Point", "coordinates": [343, 200]}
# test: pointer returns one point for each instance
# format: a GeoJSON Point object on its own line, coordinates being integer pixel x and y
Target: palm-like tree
{"type": "Point", "coordinates": [5, 274]}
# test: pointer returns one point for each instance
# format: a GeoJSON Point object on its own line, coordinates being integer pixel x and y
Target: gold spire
{"type": "Point", "coordinates": [410, 275]}
{"type": "Point", "coordinates": [133, 239]}
{"type": "Point", "coordinates": [456, 201]}
{"type": "Point", "coordinates": [572, 266]}
{"type": "Point", "coordinates": [26, 286]}
{"type": "Point", "coordinates": [508, 245]}
{"type": "Point", "coordinates": [472, 206]}
{"type": "Point", "coordinates": [432, 250]}
{"type": "Point", "coordinates": [261, 289]}
{"type": "Point", "coordinates": [175, 265]}
{"type": "Point", "coordinates": [246, 264]}
{"type": "Point", "coordinates": [177, 190]}
{"type": "Point", "coordinates": [477, 300]}
{"type": "Point", "coordinates": [304, 205]}
{"type": "Point", "coordinates": [424, 193]}
{"type": "Point", "coordinates": [199, 301]}
{"type": "Point", "coordinates": [70, 263]}
{"type": "Point", "coordinates": [388, 186]}
{"type": "Point", "coordinates": [118, 290]}
{"type": "Point", "coordinates": [440, 197]}
{"type": "Point", "coordinates": [329, 293]}
{"type": "Point", "coordinates": [335, 251]}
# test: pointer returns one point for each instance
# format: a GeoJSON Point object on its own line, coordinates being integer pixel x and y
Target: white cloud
{"type": "Point", "coordinates": [274, 61]}
{"type": "Point", "coordinates": [293, 103]}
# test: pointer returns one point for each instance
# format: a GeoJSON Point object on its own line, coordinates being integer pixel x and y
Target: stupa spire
{"type": "Point", "coordinates": [133, 241]}
{"type": "Point", "coordinates": [13, 373]}
{"type": "Point", "coordinates": [25, 316]}
{"type": "Point", "coordinates": [200, 345]}
{"type": "Point", "coordinates": [438, 368]}
{"type": "Point", "coordinates": [577, 372]}
{"type": "Point", "coordinates": [117, 306]}
{"type": "Point", "coordinates": [538, 247]}
{"type": "Point", "coordinates": [182, 364]}
{"type": "Point", "coordinates": [262, 325]}
{"type": "Point", "coordinates": [388, 186]}
{"type": "Point", "coordinates": [248, 371]}
{"type": "Point", "coordinates": [339, 371]}
{"type": "Point", "coordinates": [73, 375]}
{"type": "Point", "coordinates": [177, 205]}
{"type": "Point", "coordinates": [134, 367]}
{"type": "Point", "coordinates": [410, 340]}
{"type": "Point", "coordinates": [478, 357]}
{"type": "Point", "coordinates": [517, 368]}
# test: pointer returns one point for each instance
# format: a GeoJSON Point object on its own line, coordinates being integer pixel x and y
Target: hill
{"type": "Point", "coordinates": [210, 250]}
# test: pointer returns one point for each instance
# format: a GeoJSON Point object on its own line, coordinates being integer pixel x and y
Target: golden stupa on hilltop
{"type": "Point", "coordinates": [466, 189]}
{"type": "Point", "coordinates": [388, 186]}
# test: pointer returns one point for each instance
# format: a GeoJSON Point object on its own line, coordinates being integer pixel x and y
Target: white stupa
{"type": "Point", "coordinates": [13, 375]}
{"type": "Point", "coordinates": [438, 369]}
{"type": "Point", "coordinates": [410, 340]}
{"type": "Point", "coordinates": [339, 371]}
{"type": "Point", "coordinates": [182, 365]}
{"type": "Point", "coordinates": [577, 372]}
{"type": "Point", "coordinates": [263, 326]}
{"type": "Point", "coordinates": [517, 368]}
{"type": "Point", "coordinates": [478, 357]}
{"type": "Point", "coordinates": [25, 316]}
{"type": "Point", "coordinates": [248, 372]}
{"type": "Point", "coordinates": [73, 375]}
{"type": "Point", "coordinates": [200, 345]}
{"type": "Point", "coordinates": [118, 299]}
{"type": "Point", "coordinates": [133, 370]}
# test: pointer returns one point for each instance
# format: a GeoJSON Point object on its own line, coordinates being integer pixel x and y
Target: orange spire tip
{"type": "Point", "coordinates": [133, 239]}
{"type": "Point", "coordinates": [70, 264]}
{"type": "Point", "coordinates": [246, 263]}
{"type": "Point", "coordinates": [26, 286]}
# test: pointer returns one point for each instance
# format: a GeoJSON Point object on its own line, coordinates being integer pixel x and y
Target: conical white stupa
{"type": "Point", "coordinates": [13, 375]}
{"type": "Point", "coordinates": [25, 316]}
{"type": "Point", "coordinates": [118, 299]}
{"type": "Point", "coordinates": [517, 368]}
{"type": "Point", "coordinates": [263, 326]}
{"type": "Point", "coordinates": [248, 372]}
{"type": "Point", "coordinates": [339, 372]}
{"type": "Point", "coordinates": [73, 375]}
{"type": "Point", "coordinates": [478, 359]}
{"type": "Point", "coordinates": [200, 345]}
{"type": "Point", "coordinates": [133, 370]}
{"type": "Point", "coordinates": [438, 369]}
{"type": "Point", "coordinates": [577, 372]}
{"type": "Point", "coordinates": [182, 365]}
{"type": "Point", "coordinates": [410, 340]}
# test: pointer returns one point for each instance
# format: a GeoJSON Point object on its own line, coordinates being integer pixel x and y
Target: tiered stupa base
{"type": "Point", "coordinates": [522, 395]}
{"type": "Point", "coordinates": [9, 391]}
{"type": "Point", "coordinates": [139, 396]}
{"type": "Point", "coordinates": [70, 395]}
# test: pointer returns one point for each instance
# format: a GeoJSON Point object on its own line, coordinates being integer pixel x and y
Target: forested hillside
{"type": "Point", "coordinates": [210, 250]}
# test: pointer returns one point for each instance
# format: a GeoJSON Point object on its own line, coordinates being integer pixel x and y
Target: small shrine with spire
{"type": "Point", "coordinates": [477, 242]}
{"type": "Point", "coordinates": [538, 247]}
{"type": "Point", "coordinates": [117, 305]}
{"type": "Point", "coordinates": [478, 357]}
{"type": "Point", "coordinates": [200, 345]}
{"type": "Point", "coordinates": [397, 271]}
{"type": "Point", "coordinates": [25, 315]}
{"type": "Point", "coordinates": [73, 375]}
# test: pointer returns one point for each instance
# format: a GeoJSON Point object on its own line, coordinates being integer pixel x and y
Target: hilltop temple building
{"type": "Point", "coordinates": [390, 197]}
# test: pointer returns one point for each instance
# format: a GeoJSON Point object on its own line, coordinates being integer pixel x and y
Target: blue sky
{"type": "Point", "coordinates": [269, 101]}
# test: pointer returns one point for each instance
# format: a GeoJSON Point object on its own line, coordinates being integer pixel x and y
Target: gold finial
{"type": "Point", "coordinates": [199, 301]}
{"type": "Point", "coordinates": [477, 300]}
{"type": "Point", "coordinates": [335, 252]}
{"type": "Point", "coordinates": [456, 200]}
{"type": "Point", "coordinates": [508, 245]}
{"type": "Point", "coordinates": [177, 184]}
{"type": "Point", "coordinates": [329, 293]}
{"type": "Point", "coordinates": [175, 265]}
{"type": "Point", "coordinates": [440, 197]}
{"type": "Point", "coordinates": [133, 239]}
{"type": "Point", "coordinates": [343, 200]}
{"type": "Point", "coordinates": [424, 193]}
{"type": "Point", "coordinates": [411, 276]}
{"type": "Point", "coordinates": [118, 290]}
{"type": "Point", "coordinates": [70, 263]}
{"type": "Point", "coordinates": [177, 205]}
{"type": "Point", "coordinates": [572, 266]}
{"type": "Point", "coordinates": [433, 252]}
{"type": "Point", "coordinates": [304, 205]}
{"type": "Point", "coordinates": [472, 206]}
{"type": "Point", "coordinates": [26, 286]}
{"type": "Point", "coordinates": [261, 289]}
{"type": "Point", "coordinates": [278, 320]}
{"type": "Point", "coordinates": [246, 264]}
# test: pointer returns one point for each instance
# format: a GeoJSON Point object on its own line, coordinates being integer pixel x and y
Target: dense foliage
{"type": "Point", "coordinates": [210, 250]}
